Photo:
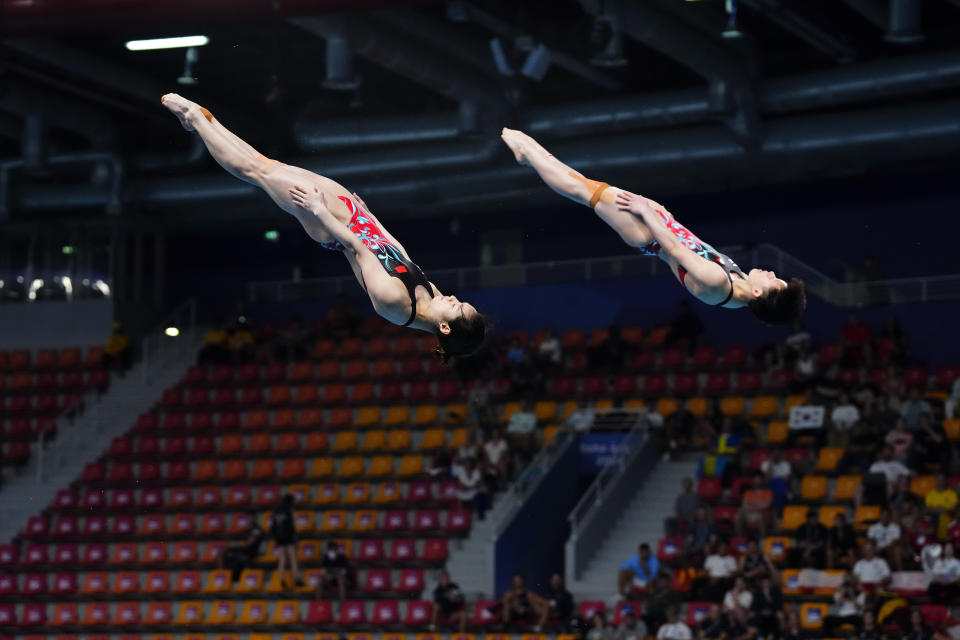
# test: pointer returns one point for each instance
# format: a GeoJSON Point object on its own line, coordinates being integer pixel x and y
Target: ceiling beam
{"type": "Point", "coordinates": [872, 11]}
{"type": "Point", "coordinates": [803, 28]}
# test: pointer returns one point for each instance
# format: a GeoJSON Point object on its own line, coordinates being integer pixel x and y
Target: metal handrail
{"type": "Point", "coordinates": [841, 294]}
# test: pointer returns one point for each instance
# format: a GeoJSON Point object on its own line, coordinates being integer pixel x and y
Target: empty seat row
{"type": "Point", "coordinates": [217, 498]}
{"type": "Point", "coordinates": [154, 525]}
{"type": "Point", "coordinates": [368, 550]}
{"type": "Point", "coordinates": [26, 381]}
{"type": "Point", "coordinates": [69, 358]}
{"type": "Point", "coordinates": [41, 404]}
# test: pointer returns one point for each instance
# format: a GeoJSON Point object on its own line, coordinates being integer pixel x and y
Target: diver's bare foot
{"type": "Point", "coordinates": [180, 107]}
{"type": "Point", "coordinates": [517, 141]}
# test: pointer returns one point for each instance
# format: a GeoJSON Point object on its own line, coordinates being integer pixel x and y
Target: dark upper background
{"type": "Point", "coordinates": [849, 163]}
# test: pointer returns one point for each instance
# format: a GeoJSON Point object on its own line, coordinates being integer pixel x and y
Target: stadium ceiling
{"type": "Point", "coordinates": [404, 100]}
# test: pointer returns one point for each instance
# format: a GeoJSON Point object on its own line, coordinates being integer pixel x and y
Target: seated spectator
{"type": "Point", "coordinates": [918, 629]}
{"type": "Point", "coordinates": [871, 571]}
{"type": "Point", "coordinates": [701, 534]}
{"type": "Point", "coordinates": [549, 353]}
{"type": "Point", "coordinates": [516, 354]}
{"type": "Point", "coordinates": [448, 604]}
{"type": "Point", "coordinates": [918, 531]}
{"type": "Point", "coordinates": [240, 341]}
{"type": "Point", "coordinates": [864, 391]}
{"type": "Point", "coordinates": [471, 489]}
{"type": "Point", "coordinates": [930, 444]}
{"type": "Point", "coordinates": [559, 602]}
{"type": "Point", "coordinates": [940, 503]}
{"type": "Point", "coordinates": [598, 629]}
{"type": "Point", "coordinates": [685, 506]}
{"type": "Point", "coordinates": [520, 604]}
{"type": "Point", "coordinates": [827, 388]}
{"type": "Point", "coordinates": [117, 355]}
{"type": "Point", "coordinates": [582, 418]}
{"type": "Point", "coordinates": [855, 340]}
{"type": "Point", "coordinates": [661, 599]}
{"type": "Point", "coordinates": [768, 607]}
{"type": "Point", "coordinates": [239, 557]}
{"type": "Point", "coordinates": [805, 371]}
{"type": "Point", "coordinates": [950, 404]}
{"type": "Point", "coordinates": [848, 606]}
{"type": "Point", "coordinates": [885, 535]}
{"type": "Point", "coordinates": [496, 453]}
{"type": "Point", "coordinates": [440, 464]}
{"type": "Point", "coordinates": [841, 543]}
{"type": "Point", "coordinates": [521, 428]}
{"type": "Point", "coordinates": [673, 629]}
{"type": "Point", "coordinates": [891, 470]}
{"type": "Point", "coordinates": [738, 597]}
{"type": "Point", "coordinates": [953, 529]}
{"type": "Point", "coordinates": [755, 511]}
{"type": "Point", "coordinates": [794, 630]}
{"type": "Point", "coordinates": [945, 581]}
{"type": "Point", "coordinates": [901, 441]}
{"type": "Point", "coordinates": [752, 564]}
{"type": "Point", "coordinates": [714, 625]}
{"type": "Point", "coordinates": [798, 340]}
{"type": "Point", "coordinates": [342, 317]}
{"type": "Point", "coordinates": [776, 467]}
{"type": "Point", "coordinates": [638, 572]}
{"type": "Point", "coordinates": [720, 568]}
{"type": "Point", "coordinates": [843, 418]}
{"type": "Point", "coordinates": [479, 411]}
{"type": "Point", "coordinates": [685, 327]}
{"type": "Point", "coordinates": [868, 628]}
{"type": "Point", "coordinates": [630, 628]}
{"type": "Point", "coordinates": [811, 543]}
{"type": "Point", "coordinates": [336, 569]}
{"type": "Point", "coordinates": [914, 407]}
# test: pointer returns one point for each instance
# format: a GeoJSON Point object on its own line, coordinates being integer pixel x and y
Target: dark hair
{"type": "Point", "coordinates": [465, 337]}
{"type": "Point", "coordinates": [781, 306]}
{"type": "Point", "coordinates": [286, 502]}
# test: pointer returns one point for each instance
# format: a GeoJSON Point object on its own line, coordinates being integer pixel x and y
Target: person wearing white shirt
{"type": "Point", "coordinates": [950, 404]}
{"type": "Point", "coordinates": [673, 629]}
{"type": "Point", "coordinates": [776, 466]}
{"type": "Point", "coordinates": [581, 419]}
{"type": "Point", "coordinates": [470, 490]}
{"type": "Point", "coordinates": [885, 532]}
{"type": "Point", "coordinates": [720, 567]}
{"type": "Point", "coordinates": [496, 451]}
{"type": "Point", "coordinates": [738, 597]}
{"type": "Point", "coordinates": [870, 569]}
{"type": "Point", "coordinates": [845, 414]}
{"type": "Point", "coordinates": [945, 585]}
{"type": "Point", "coordinates": [549, 351]}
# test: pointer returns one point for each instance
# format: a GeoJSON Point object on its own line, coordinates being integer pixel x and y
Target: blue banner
{"type": "Point", "coordinates": [597, 449]}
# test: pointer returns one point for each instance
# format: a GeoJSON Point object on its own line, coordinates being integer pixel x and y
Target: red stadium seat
{"type": "Point", "coordinates": [9, 555]}
{"type": "Point", "coordinates": [672, 358]}
{"type": "Point", "coordinates": [624, 385]}
{"type": "Point", "coordinates": [64, 584]}
{"type": "Point", "coordinates": [458, 521]}
{"type": "Point", "coordinates": [654, 384]}
{"type": "Point", "coordinates": [946, 375]}
{"type": "Point", "coordinates": [482, 613]}
{"type": "Point", "coordinates": [434, 550]}
{"type": "Point", "coordinates": [352, 612]}
{"type": "Point", "coordinates": [38, 527]}
{"type": "Point", "coordinates": [718, 382]}
{"type": "Point", "coordinates": [668, 549]}
{"type": "Point", "coordinates": [320, 612]}
{"type": "Point", "coordinates": [174, 421]}
{"type": "Point", "coordinates": [385, 612]}
{"type": "Point", "coordinates": [590, 607]}
{"type": "Point", "coordinates": [685, 383]}
{"type": "Point", "coordinates": [198, 397]}
{"type": "Point", "coordinates": [35, 554]}
{"type": "Point", "coordinates": [447, 390]}
{"type": "Point", "coordinates": [67, 553]}
{"type": "Point", "coordinates": [34, 584]}
{"type": "Point", "coordinates": [95, 554]}
{"type": "Point", "coordinates": [395, 520]}
{"type": "Point", "coordinates": [172, 398]}
{"type": "Point", "coordinates": [33, 615]}
{"type": "Point", "coordinates": [704, 358]}
{"type": "Point", "coordinates": [8, 585]}
{"type": "Point", "coordinates": [371, 550]}
{"type": "Point", "coordinates": [66, 526]}
{"type": "Point", "coordinates": [420, 390]}
{"type": "Point", "coordinates": [748, 382]}
{"type": "Point", "coordinates": [710, 489]}
{"type": "Point", "coordinates": [402, 550]}
{"type": "Point", "coordinates": [377, 580]}
{"type": "Point", "coordinates": [411, 581]}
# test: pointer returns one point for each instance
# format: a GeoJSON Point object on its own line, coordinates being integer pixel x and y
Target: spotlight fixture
{"type": "Point", "coordinates": [172, 332]}
{"type": "Point", "coordinates": [167, 43]}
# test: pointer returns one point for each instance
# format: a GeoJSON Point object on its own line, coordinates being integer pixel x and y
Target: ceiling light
{"type": "Point", "coordinates": [67, 249]}
{"type": "Point", "coordinates": [173, 332]}
{"type": "Point", "coordinates": [167, 43]}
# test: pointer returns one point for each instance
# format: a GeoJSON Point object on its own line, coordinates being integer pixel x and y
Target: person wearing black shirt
{"type": "Point", "coordinates": [335, 569]}
{"type": "Point", "coordinates": [767, 606]}
{"type": "Point", "coordinates": [448, 604]}
{"type": "Point", "coordinates": [560, 602]}
{"type": "Point", "coordinates": [841, 543]}
{"type": "Point", "coordinates": [283, 527]}
{"type": "Point", "coordinates": [519, 603]}
{"type": "Point", "coordinates": [811, 542]}
{"type": "Point", "coordinates": [714, 625]}
{"type": "Point", "coordinates": [869, 631]}
{"type": "Point", "coordinates": [918, 630]}
{"type": "Point", "coordinates": [239, 557]}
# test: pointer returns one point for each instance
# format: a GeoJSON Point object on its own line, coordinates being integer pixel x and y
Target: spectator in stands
{"type": "Point", "coordinates": [739, 597]}
{"type": "Point", "coordinates": [805, 371]}
{"type": "Point", "coordinates": [945, 581]}
{"type": "Point", "coordinates": [673, 629]}
{"type": "Point", "coordinates": [559, 601]}
{"type": "Point", "coordinates": [727, 445]}
{"type": "Point", "coordinates": [582, 418]}
{"type": "Point", "coordinates": [336, 569]}
{"type": "Point", "coordinates": [662, 597]}
{"type": "Point", "coordinates": [685, 506]}
{"type": "Point", "coordinates": [940, 503]}
{"type": "Point", "coordinates": [441, 464]}
{"type": "Point", "coordinates": [117, 355]}
{"type": "Point", "coordinates": [469, 450]}
{"type": "Point", "coordinates": [953, 529]}
{"type": "Point", "coordinates": [855, 340]}
{"type": "Point", "coordinates": [714, 624]}
{"type": "Point", "coordinates": [950, 404]}
{"type": "Point", "coordinates": [448, 604]}
{"type": "Point", "coordinates": [901, 441]}
{"type": "Point", "coordinates": [768, 607]}
{"type": "Point", "coordinates": [283, 528]}
{"type": "Point", "coordinates": [239, 557]}
{"type": "Point", "coordinates": [720, 568]}
{"type": "Point", "coordinates": [341, 317]}
{"type": "Point", "coordinates": [701, 534]}
{"type": "Point", "coordinates": [479, 410]}
{"type": "Point", "coordinates": [864, 391]}
{"type": "Point", "coordinates": [896, 337]}
{"type": "Point", "coordinates": [794, 630]}
{"type": "Point", "coordinates": [811, 542]}
{"type": "Point", "coordinates": [630, 628]}
{"type": "Point", "coordinates": [918, 530]}
{"type": "Point", "coordinates": [496, 453]}
{"type": "Point", "coordinates": [827, 387]}
{"type": "Point", "coordinates": [776, 467]}
{"type": "Point", "coordinates": [914, 407]}
{"type": "Point", "coordinates": [521, 428]}
{"type": "Point", "coordinates": [871, 570]}
{"type": "Point", "coordinates": [598, 628]}
{"type": "Point", "coordinates": [868, 627]}
{"type": "Point", "coordinates": [841, 543]}
{"type": "Point", "coordinates": [215, 346]}
{"type": "Point", "coordinates": [848, 606]}
{"type": "Point", "coordinates": [470, 490]}
{"type": "Point", "coordinates": [901, 499]}
{"type": "Point", "coordinates": [931, 444]}
{"type": "Point", "coordinates": [685, 328]}
{"type": "Point", "coordinates": [755, 510]}
{"type": "Point", "coordinates": [885, 535]}
{"type": "Point", "coordinates": [843, 418]}
{"type": "Point", "coordinates": [638, 571]}
{"type": "Point", "coordinates": [549, 353]}
{"type": "Point", "coordinates": [918, 629]}
{"type": "Point", "coordinates": [890, 469]}
{"type": "Point", "coordinates": [519, 603]}
{"type": "Point", "coordinates": [240, 342]}
{"type": "Point", "coordinates": [798, 341]}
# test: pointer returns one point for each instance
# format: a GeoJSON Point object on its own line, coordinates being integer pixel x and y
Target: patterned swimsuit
{"type": "Point", "coordinates": [391, 258]}
{"type": "Point", "coordinates": [699, 247]}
